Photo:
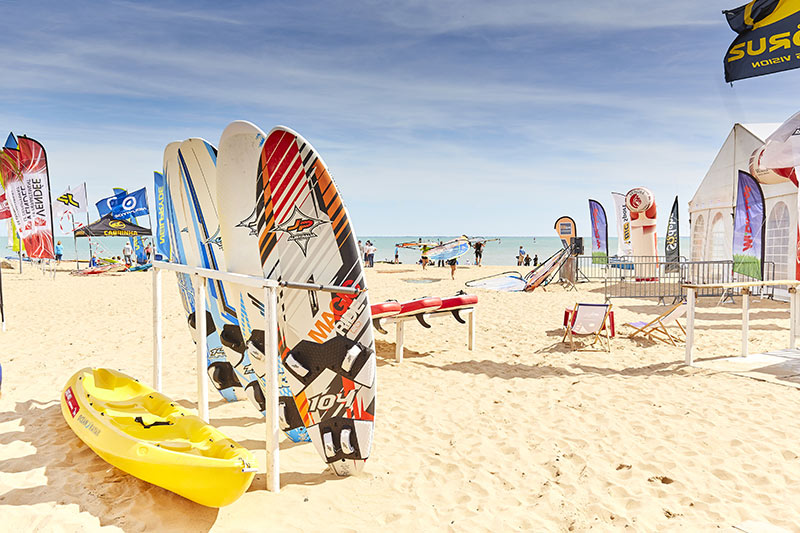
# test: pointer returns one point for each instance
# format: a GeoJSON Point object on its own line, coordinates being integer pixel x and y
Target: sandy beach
{"type": "Point", "coordinates": [519, 434]}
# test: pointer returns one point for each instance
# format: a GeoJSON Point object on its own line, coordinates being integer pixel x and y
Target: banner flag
{"type": "Point", "coordinates": [748, 228]}
{"type": "Point", "coordinates": [566, 230]}
{"type": "Point", "coordinates": [599, 233]}
{"type": "Point", "coordinates": [768, 40]}
{"type": "Point", "coordinates": [124, 204]}
{"type": "Point", "coordinates": [136, 242]}
{"type": "Point", "coordinates": [624, 246]}
{"type": "Point", "coordinates": [5, 212]}
{"type": "Point", "coordinates": [27, 184]}
{"type": "Point", "coordinates": [672, 244]}
{"type": "Point", "coordinates": [163, 205]}
{"type": "Point", "coordinates": [69, 204]}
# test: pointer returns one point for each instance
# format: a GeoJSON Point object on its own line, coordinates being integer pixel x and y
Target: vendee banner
{"type": "Point", "coordinates": [748, 228]}
{"type": "Point", "coordinates": [163, 205]}
{"type": "Point", "coordinates": [27, 184]}
{"type": "Point", "coordinates": [768, 40]}
{"type": "Point", "coordinates": [672, 242]}
{"type": "Point", "coordinates": [599, 233]}
{"type": "Point", "coordinates": [624, 246]}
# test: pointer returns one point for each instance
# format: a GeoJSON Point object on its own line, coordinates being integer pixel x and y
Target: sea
{"type": "Point", "coordinates": [500, 252]}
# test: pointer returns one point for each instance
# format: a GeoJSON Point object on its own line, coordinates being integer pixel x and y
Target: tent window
{"type": "Point", "coordinates": [698, 235]}
{"type": "Point", "coordinates": [777, 242]}
{"type": "Point", "coordinates": [719, 250]}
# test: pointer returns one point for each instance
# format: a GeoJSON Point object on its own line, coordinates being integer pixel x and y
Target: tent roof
{"type": "Point", "coordinates": [108, 226]}
{"type": "Point", "coordinates": [717, 189]}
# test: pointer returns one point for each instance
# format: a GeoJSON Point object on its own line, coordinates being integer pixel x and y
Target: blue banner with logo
{"type": "Point", "coordinates": [599, 233]}
{"type": "Point", "coordinates": [748, 228]}
{"type": "Point", "coordinates": [163, 205]}
{"type": "Point", "coordinates": [124, 204]}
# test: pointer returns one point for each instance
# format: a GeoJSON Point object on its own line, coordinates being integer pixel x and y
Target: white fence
{"type": "Point", "coordinates": [270, 288]}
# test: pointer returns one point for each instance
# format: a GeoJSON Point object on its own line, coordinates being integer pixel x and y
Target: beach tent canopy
{"type": "Point", "coordinates": [712, 207]}
{"type": "Point", "coordinates": [108, 226]}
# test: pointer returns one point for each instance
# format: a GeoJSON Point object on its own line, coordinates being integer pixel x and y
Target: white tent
{"type": "Point", "coordinates": [712, 207]}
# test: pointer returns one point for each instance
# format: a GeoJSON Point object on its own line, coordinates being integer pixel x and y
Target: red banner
{"type": "Point", "coordinates": [27, 186]}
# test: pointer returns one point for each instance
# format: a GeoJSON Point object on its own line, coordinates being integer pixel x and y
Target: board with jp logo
{"type": "Point", "coordinates": [325, 339]}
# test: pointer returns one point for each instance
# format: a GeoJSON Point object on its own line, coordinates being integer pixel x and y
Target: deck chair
{"type": "Point", "coordinates": [589, 319]}
{"type": "Point", "coordinates": [657, 328]}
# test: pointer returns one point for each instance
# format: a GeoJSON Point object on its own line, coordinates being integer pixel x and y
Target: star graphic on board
{"type": "Point", "coordinates": [300, 228]}
{"type": "Point", "coordinates": [215, 239]}
{"type": "Point", "coordinates": [251, 222]}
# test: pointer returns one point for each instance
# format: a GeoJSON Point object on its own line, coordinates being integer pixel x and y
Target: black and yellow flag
{"type": "Point", "coordinates": [768, 40]}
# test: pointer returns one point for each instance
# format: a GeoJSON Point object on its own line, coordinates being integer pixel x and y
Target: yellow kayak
{"type": "Point", "coordinates": [145, 434]}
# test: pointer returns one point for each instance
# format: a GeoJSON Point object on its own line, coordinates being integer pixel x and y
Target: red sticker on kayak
{"type": "Point", "coordinates": [72, 403]}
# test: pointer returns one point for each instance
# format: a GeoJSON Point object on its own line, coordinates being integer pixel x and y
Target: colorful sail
{"type": "Point", "coordinates": [748, 228]}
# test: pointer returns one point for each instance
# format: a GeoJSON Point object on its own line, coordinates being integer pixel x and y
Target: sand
{"type": "Point", "coordinates": [519, 434]}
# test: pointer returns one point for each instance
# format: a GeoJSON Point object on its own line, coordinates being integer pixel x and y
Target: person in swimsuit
{"type": "Point", "coordinates": [425, 249]}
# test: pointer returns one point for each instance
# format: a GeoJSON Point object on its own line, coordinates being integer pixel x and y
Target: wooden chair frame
{"type": "Point", "coordinates": [603, 329]}
{"type": "Point", "coordinates": [656, 329]}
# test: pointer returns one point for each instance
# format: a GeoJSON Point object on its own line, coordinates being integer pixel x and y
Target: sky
{"type": "Point", "coordinates": [435, 118]}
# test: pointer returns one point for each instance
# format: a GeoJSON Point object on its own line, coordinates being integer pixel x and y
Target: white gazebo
{"type": "Point", "coordinates": [712, 207]}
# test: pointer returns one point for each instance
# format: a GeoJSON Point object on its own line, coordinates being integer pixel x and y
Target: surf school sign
{"type": "Point", "coordinates": [768, 40]}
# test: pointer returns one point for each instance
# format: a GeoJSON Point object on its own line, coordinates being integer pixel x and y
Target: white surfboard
{"type": "Point", "coordinates": [219, 369]}
{"type": "Point", "coordinates": [197, 160]}
{"type": "Point", "coordinates": [237, 164]}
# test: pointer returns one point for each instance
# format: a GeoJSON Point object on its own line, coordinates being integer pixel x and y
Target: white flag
{"type": "Point", "coordinates": [624, 246]}
{"type": "Point", "coordinates": [69, 204]}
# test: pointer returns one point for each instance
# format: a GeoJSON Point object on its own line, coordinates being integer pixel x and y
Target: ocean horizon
{"type": "Point", "coordinates": [497, 253]}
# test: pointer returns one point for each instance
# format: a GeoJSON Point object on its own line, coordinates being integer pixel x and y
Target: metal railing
{"type": "Point", "coordinates": [590, 268]}
{"type": "Point", "coordinates": [651, 279]}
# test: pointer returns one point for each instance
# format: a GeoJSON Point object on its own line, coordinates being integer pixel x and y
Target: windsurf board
{"type": "Point", "coordinates": [325, 339]}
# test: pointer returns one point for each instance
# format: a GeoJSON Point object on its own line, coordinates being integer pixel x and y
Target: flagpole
{"type": "Point", "coordinates": [2, 311]}
{"type": "Point", "coordinates": [75, 240]}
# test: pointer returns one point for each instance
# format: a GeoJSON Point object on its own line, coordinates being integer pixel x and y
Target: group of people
{"type": "Point", "coordinates": [523, 259]}
{"type": "Point", "coordinates": [367, 251]}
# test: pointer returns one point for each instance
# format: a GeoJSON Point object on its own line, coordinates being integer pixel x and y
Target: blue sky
{"type": "Point", "coordinates": [437, 117]}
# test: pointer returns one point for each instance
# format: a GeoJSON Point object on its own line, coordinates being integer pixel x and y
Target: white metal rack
{"type": "Point", "coordinates": [270, 288]}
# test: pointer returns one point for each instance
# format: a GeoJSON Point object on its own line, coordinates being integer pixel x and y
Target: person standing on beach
{"type": "Point", "coordinates": [521, 256]}
{"type": "Point", "coordinates": [127, 252]}
{"type": "Point", "coordinates": [425, 249]}
{"type": "Point", "coordinates": [148, 251]}
{"type": "Point", "coordinates": [452, 262]}
{"type": "Point", "coordinates": [370, 250]}
{"type": "Point", "coordinates": [478, 252]}
{"type": "Point", "coordinates": [396, 255]}
{"type": "Point", "coordinates": [535, 259]}
{"type": "Point", "coordinates": [59, 252]}
{"type": "Point", "coordinates": [361, 252]}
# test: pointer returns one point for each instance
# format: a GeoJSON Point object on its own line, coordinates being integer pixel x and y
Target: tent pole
{"type": "Point", "coordinates": [75, 239]}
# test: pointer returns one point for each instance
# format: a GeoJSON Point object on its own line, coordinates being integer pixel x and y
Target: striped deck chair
{"type": "Point", "coordinates": [657, 328]}
{"type": "Point", "coordinates": [589, 319]}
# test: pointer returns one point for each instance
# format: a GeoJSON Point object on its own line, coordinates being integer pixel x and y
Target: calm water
{"type": "Point", "coordinates": [503, 252]}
